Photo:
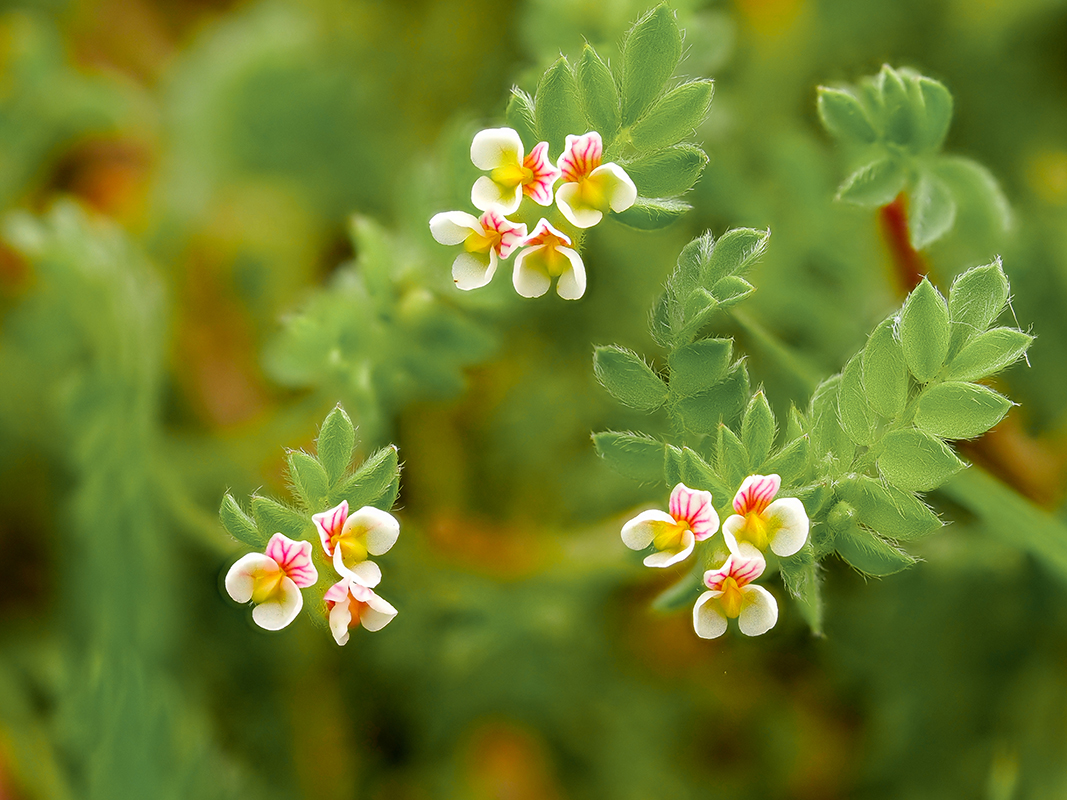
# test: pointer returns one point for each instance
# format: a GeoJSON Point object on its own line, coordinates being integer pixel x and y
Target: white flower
{"type": "Point", "coordinates": [731, 595]}
{"type": "Point", "coordinates": [273, 580]}
{"type": "Point", "coordinates": [781, 525]}
{"type": "Point", "coordinates": [349, 603]}
{"type": "Point", "coordinates": [548, 254]}
{"type": "Point", "coordinates": [349, 539]}
{"type": "Point", "coordinates": [692, 518]}
{"type": "Point", "coordinates": [589, 188]}
{"type": "Point", "coordinates": [485, 239]}
{"type": "Point", "coordinates": [511, 175]}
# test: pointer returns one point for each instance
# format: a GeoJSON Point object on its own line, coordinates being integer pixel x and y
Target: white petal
{"type": "Point", "coordinates": [453, 227]}
{"type": "Point", "coordinates": [495, 147]}
{"type": "Point", "coordinates": [528, 278]}
{"type": "Point", "coordinates": [734, 523]}
{"type": "Point", "coordinates": [667, 557]}
{"type": "Point", "coordinates": [637, 534]}
{"type": "Point", "coordinates": [577, 213]}
{"type": "Point", "coordinates": [241, 579]}
{"type": "Point", "coordinates": [340, 619]}
{"type": "Point", "coordinates": [473, 270]}
{"type": "Point", "coordinates": [708, 620]}
{"type": "Point", "coordinates": [571, 284]}
{"type": "Point", "coordinates": [619, 190]}
{"type": "Point", "coordinates": [377, 614]}
{"type": "Point", "coordinates": [759, 611]}
{"type": "Point", "coordinates": [791, 521]}
{"type": "Point", "coordinates": [365, 573]}
{"type": "Point", "coordinates": [380, 528]}
{"type": "Point", "coordinates": [487, 193]}
{"type": "Point", "coordinates": [281, 609]}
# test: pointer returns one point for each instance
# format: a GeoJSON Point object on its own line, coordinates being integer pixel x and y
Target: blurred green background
{"type": "Point", "coordinates": [215, 228]}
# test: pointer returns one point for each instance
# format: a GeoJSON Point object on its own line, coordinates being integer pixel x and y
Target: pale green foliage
{"type": "Point", "coordinates": [896, 122]}
{"type": "Point", "coordinates": [642, 119]}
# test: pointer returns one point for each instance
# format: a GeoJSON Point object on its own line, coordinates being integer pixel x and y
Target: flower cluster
{"type": "Point", "coordinates": [589, 188]}
{"type": "Point", "coordinates": [759, 523]}
{"type": "Point", "coordinates": [273, 579]}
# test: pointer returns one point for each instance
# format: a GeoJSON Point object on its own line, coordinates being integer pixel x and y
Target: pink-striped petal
{"type": "Point", "coordinates": [695, 508]}
{"type": "Point", "coordinates": [742, 568]}
{"type": "Point", "coordinates": [581, 155]}
{"type": "Point", "coordinates": [329, 525]}
{"type": "Point", "coordinates": [294, 558]}
{"type": "Point", "coordinates": [543, 175]}
{"type": "Point", "coordinates": [509, 235]}
{"type": "Point", "coordinates": [756, 493]}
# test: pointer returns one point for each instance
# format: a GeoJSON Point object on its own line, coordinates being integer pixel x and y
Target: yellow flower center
{"type": "Point", "coordinates": [731, 598]}
{"type": "Point", "coordinates": [481, 243]}
{"type": "Point", "coordinates": [511, 175]}
{"type": "Point", "coordinates": [755, 531]}
{"type": "Point", "coordinates": [353, 549]}
{"type": "Point", "coordinates": [266, 584]}
{"type": "Point", "coordinates": [669, 536]}
{"type": "Point", "coordinates": [591, 193]}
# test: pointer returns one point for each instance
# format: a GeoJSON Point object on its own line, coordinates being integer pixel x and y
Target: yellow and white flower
{"type": "Point", "coordinates": [781, 525]}
{"type": "Point", "coordinates": [732, 595]}
{"type": "Point", "coordinates": [485, 240]}
{"type": "Point", "coordinates": [692, 519]}
{"type": "Point", "coordinates": [511, 174]}
{"type": "Point", "coordinates": [273, 580]}
{"type": "Point", "coordinates": [589, 187]}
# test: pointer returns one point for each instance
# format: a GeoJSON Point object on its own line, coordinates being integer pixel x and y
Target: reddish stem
{"type": "Point", "coordinates": [908, 264]}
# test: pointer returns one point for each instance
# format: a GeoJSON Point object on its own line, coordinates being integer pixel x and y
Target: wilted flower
{"type": "Point", "coordinates": [485, 239]}
{"type": "Point", "coordinates": [511, 175]}
{"type": "Point", "coordinates": [589, 188]}
{"type": "Point", "coordinates": [732, 595]}
{"type": "Point", "coordinates": [692, 518]}
{"type": "Point", "coordinates": [349, 603]}
{"type": "Point", "coordinates": [273, 580]}
{"type": "Point", "coordinates": [349, 539]}
{"type": "Point", "coordinates": [548, 254]}
{"type": "Point", "coordinates": [781, 525]}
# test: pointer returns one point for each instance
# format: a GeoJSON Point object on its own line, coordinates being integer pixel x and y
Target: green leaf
{"type": "Point", "coordinates": [631, 454]}
{"type": "Point", "coordinates": [828, 438]}
{"type": "Point", "coordinates": [975, 189]}
{"type": "Point", "coordinates": [734, 253]}
{"type": "Point", "coordinates": [989, 353]}
{"type": "Point", "coordinates": [758, 429]}
{"type": "Point", "coordinates": [239, 525]}
{"type": "Point", "coordinates": [844, 116]}
{"type": "Point", "coordinates": [916, 461]}
{"type": "Point", "coordinates": [870, 554]}
{"type": "Point", "coordinates": [668, 172]}
{"type": "Point", "coordinates": [697, 367]}
{"type": "Point", "coordinates": [675, 116]}
{"type": "Point", "coordinates": [887, 510]}
{"type": "Point", "coordinates": [937, 113]}
{"type": "Point", "coordinates": [375, 483]}
{"type": "Point", "coordinates": [924, 331]}
{"type": "Point", "coordinates": [800, 573]}
{"type": "Point", "coordinates": [874, 184]}
{"type": "Point", "coordinates": [309, 479]}
{"type": "Point", "coordinates": [932, 210]}
{"type": "Point", "coordinates": [648, 213]}
{"type": "Point", "coordinates": [791, 462]}
{"type": "Point", "coordinates": [628, 378]}
{"type": "Point", "coordinates": [275, 517]}
{"type": "Point", "coordinates": [599, 95]}
{"type": "Point", "coordinates": [732, 457]}
{"type": "Point", "coordinates": [977, 297]}
{"type": "Point", "coordinates": [336, 440]}
{"type": "Point", "coordinates": [857, 419]}
{"type": "Point", "coordinates": [520, 116]}
{"type": "Point", "coordinates": [703, 412]}
{"type": "Point", "coordinates": [885, 375]}
{"type": "Point", "coordinates": [899, 111]}
{"type": "Point", "coordinates": [650, 52]}
{"type": "Point", "coordinates": [731, 290]}
{"type": "Point", "coordinates": [959, 410]}
{"type": "Point", "coordinates": [688, 467]}
{"type": "Point", "coordinates": [556, 109]}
